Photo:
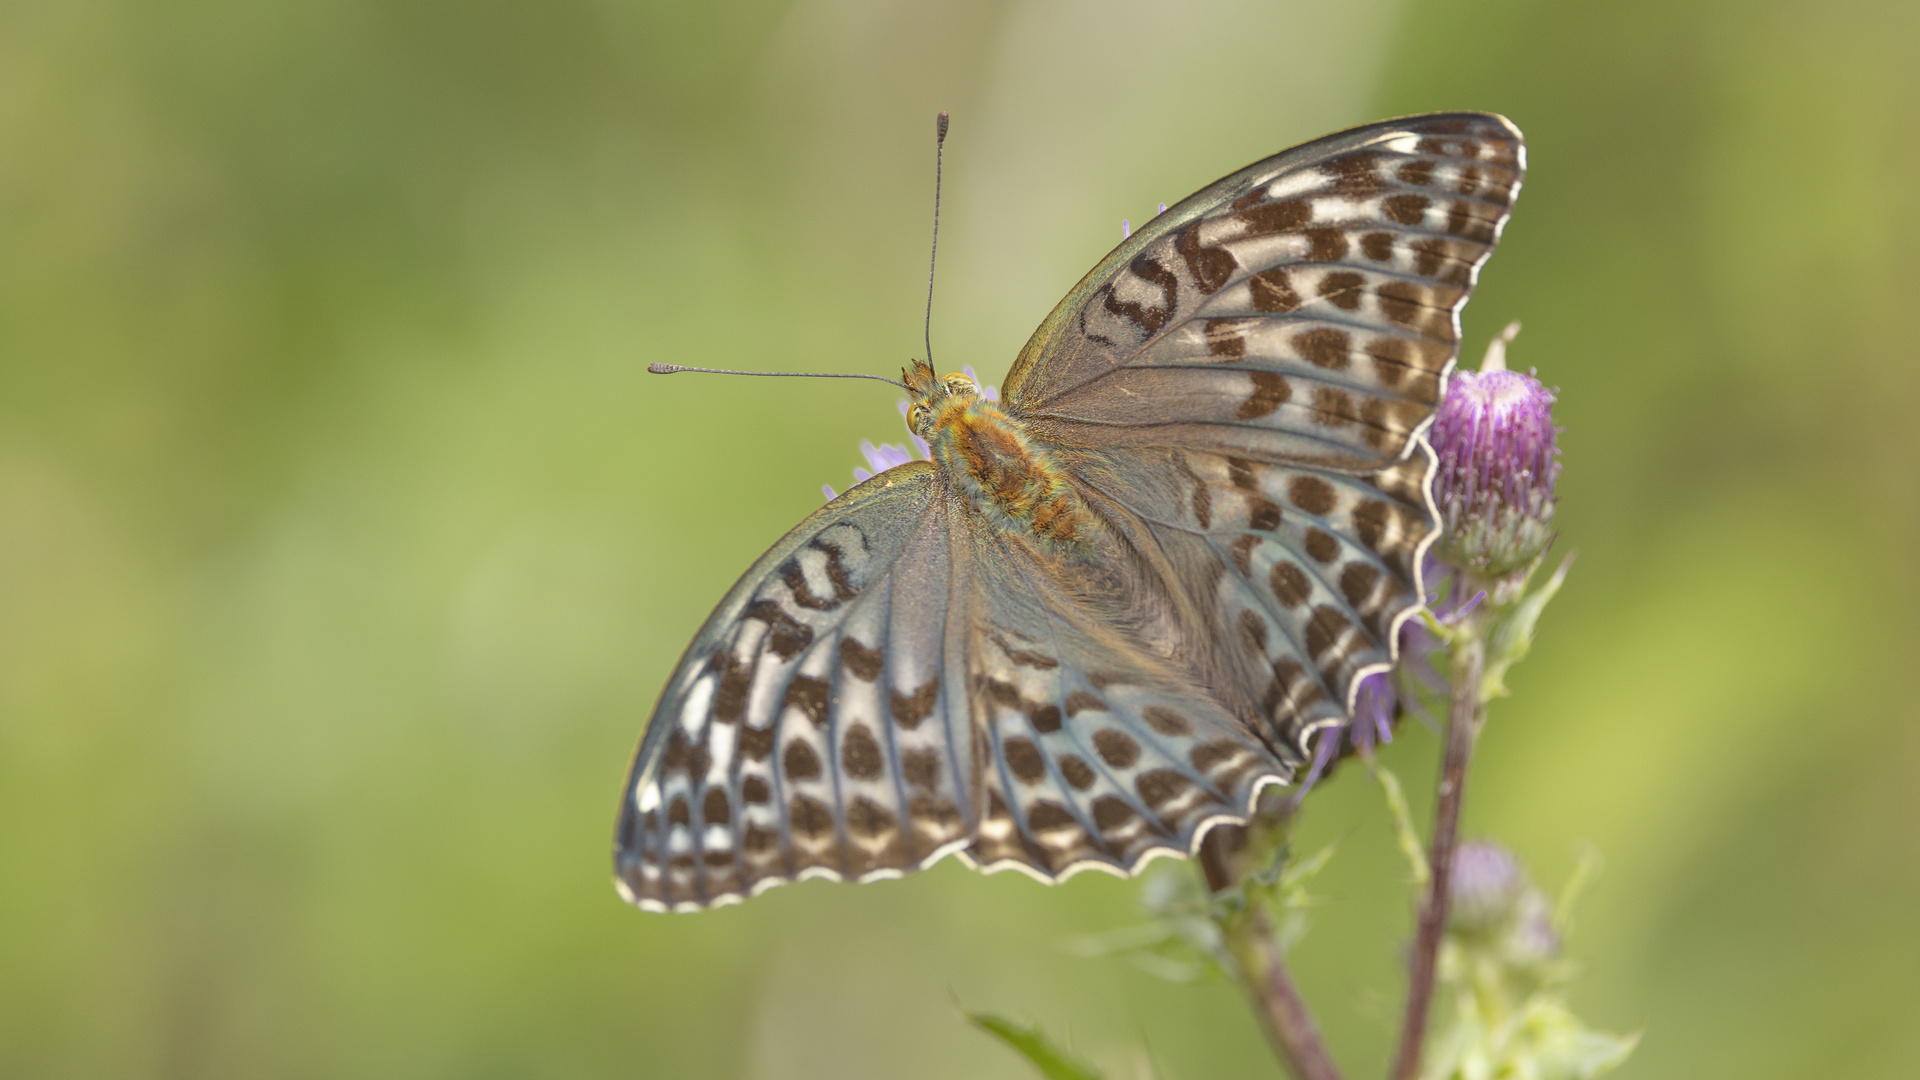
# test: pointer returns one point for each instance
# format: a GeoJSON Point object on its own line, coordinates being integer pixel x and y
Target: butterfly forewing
{"type": "Point", "coordinates": [1306, 306]}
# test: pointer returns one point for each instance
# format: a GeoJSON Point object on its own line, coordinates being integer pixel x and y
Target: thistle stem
{"type": "Point", "coordinates": [1261, 967]}
{"type": "Point", "coordinates": [1290, 1025]}
{"type": "Point", "coordinates": [1464, 715]}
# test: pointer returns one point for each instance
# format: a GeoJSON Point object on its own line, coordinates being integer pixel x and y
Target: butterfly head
{"type": "Point", "coordinates": [933, 396]}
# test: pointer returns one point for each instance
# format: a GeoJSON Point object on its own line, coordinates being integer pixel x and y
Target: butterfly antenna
{"type": "Point", "coordinates": [939, 152]}
{"type": "Point", "coordinates": [669, 369]}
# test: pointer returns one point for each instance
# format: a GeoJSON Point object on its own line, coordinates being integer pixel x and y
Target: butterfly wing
{"type": "Point", "coordinates": [1100, 745]}
{"type": "Point", "coordinates": [897, 680]}
{"type": "Point", "coordinates": [1238, 391]}
{"type": "Point", "coordinates": [1247, 378]}
{"type": "Point", "coordinates": [809, 730]}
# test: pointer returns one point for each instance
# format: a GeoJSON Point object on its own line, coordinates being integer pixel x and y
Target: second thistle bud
{"type": "Point", "coordinates": [1495, 439]}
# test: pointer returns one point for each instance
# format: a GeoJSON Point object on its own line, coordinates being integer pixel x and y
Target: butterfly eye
{"type": "Point", "coordinates": [960, 384]}
{"type": "Point", "coordinates": [919, 419]}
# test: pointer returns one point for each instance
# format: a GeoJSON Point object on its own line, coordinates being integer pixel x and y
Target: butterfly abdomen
{"type": "Point", "coordinates": [1006, 475]}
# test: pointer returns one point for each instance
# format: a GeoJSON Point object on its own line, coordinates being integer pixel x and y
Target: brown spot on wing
{"type": "Point", "coordinates": [755, 790]}
{"type": "Point", "coordinates": [1116, 748]}
{"type": "Point", "coordinates": [1166, 721]}
{"type": "Point", "coordinates": [1325, 630]}
{"type": "Point", "coordinates": [860, 753]}
{"type": "Point", "coordinates": [1333, 407]}
{"type": "Point", "coordinates": [796, 580]}
{"type": "Point", "coordinates": [1148, 317]}
{"type": "Point", "coordinates": [1378, 246]}
{"type": "Point", "coordinates": [1024, 760]}
{"type": "Point", "coordinates": [1391, 359]}
{"type": "Point", "coordinates": [1045, 815]}
{"type": "Point", "coordinates": [868, 820]}
{"type": "Point", "coordinates": [801, 762]}
{"type": "Point", "coordinates": [1289, 584]}
{"type": "Point", "coordinates": [1272, 291]}
{"type": "Point", "coordinates": [1111, 812]}
{"type": "Point", "coordinates": [1262, 515]}
{"type": "Point", "coordinates": [921, 767]}
{"type": "Point", "coordinates": [809, 817]}
{"type": "Point", "coordinates": [1161, 786]}
{"type": "Point", "coordinates": [756, 743]}
{"type": "Point", "coordinates": [1312, 494]}
{"type": "Point", "coordinates": [1270, 391]}
{"type": "Point", "coordinates": [862, 661]}
{"type": "Point", "coordinates": [714, 809]}
{"type": "Point", "coordinates": [910, 709]}
{"type": "Point", "coordinates": [1321, 545]}
{"type": "Point", "coordinates": [1226, 338]}
{"type": "Point", "coordinates": [810, 696]}
{"type": "Point", "coordinates": [1240, 474]}
{"type": "Point", "coordinates": [1370, 521]}
{"type": "Point", "coordinates": [1419, 173]}
{"type": "Point", "coordinates": [1324, 347]}
{"type": "Point", "coordinates": [1077, 772]}
{"type": "Point", "coordinates": [1254, 629]}
{"type": "Point", "coordinates": [785, 635]}
{"type": "Point", "coordinates": [1327, 244]}
{"type": "Point", "coordinates": [683, 754]}
{"type": "Point", "coordinates": [1266, 219]}
{"type": "Point", "coordinates": [1210, 266]}
{"type": "Point", "coordinates": [1354, 174]}
{"type": "Point", "coordinates": [1357, 583]}
{"type": "Point", "coordinates": [730, 698]}
{"type": "Point", "coordinates": [1342, 289]}
{"type": "Point", "coordinates": [1406, 209]}
{"type": "Point", "coordinates": [1080, 700]}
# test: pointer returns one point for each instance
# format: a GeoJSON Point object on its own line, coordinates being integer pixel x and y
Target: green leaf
{"type": "Point", "coordinates": [1032, 1043]}
{"type": "Point", "coordinates": [1513, 637]}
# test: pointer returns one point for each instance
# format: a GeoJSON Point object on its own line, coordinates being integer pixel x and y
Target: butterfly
{"type": "Point", "coordinates": [1122, 599]}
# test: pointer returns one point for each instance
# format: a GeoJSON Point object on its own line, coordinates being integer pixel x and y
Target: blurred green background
{"type": "Point", "coordinates": [344, 543]}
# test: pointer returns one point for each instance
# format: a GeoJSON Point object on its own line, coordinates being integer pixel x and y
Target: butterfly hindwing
{"type": "Point", "coordinates": [809, 730]}
{"type": "Point", "coordinates": [1305, 571]}
{"type": "Point", "coordinates": [1100, 753]}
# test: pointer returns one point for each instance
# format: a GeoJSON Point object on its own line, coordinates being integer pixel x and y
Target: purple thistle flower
{"type": "Point", "coordinates": [991, 393]}
{"type": "Point", "coordinates": [1494, 436]}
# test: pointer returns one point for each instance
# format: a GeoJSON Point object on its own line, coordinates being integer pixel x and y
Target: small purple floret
{"type": "Point", "coordinates": [1494, 435]}
{"type": "Point", "coordinates": [892, 455]}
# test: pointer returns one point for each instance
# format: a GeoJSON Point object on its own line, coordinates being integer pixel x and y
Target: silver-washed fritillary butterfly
{"type": "Point", "coordinates": [1127, 595]}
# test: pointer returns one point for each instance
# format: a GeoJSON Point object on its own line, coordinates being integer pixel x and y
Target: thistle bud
{"type": "Point", "coordinates": [1487, 886]}
{"type": "Point", "coordinates": [1494, 437]}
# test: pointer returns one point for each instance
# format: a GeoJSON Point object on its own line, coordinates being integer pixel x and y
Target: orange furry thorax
{"type": "Point", "coordinates": [1006, 474]}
